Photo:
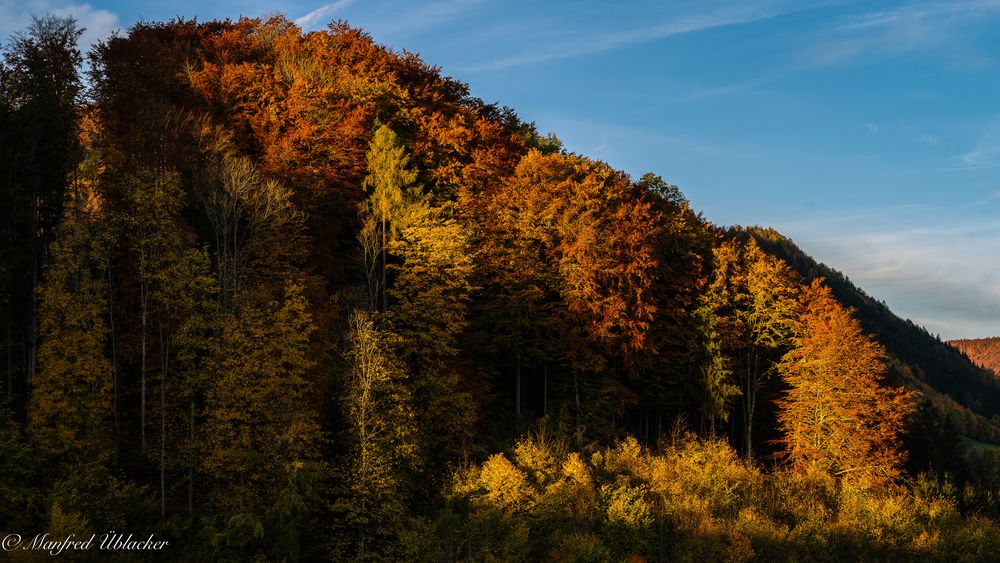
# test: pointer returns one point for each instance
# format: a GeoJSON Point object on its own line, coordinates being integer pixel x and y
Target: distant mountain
{"type": "Point", "coordinates": [984, 352]}
{"type": "Point", "coordinates": [958, 395]}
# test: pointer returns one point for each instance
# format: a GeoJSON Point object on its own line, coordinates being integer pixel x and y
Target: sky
{"type": "Point", "coordinates": [867, 131]}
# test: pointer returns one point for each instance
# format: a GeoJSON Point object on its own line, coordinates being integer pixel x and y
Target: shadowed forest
{"type": "Point", "coordinates": [278, 296]}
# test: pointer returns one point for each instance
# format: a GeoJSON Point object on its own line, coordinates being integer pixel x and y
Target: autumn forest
{"type": "Point", "coordinates": [275, 296]}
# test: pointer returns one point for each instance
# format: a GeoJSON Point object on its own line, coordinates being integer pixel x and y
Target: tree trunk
{"type": "Point", "coordinates": [142, 374]}
{"type": "Point", "coordinates": [750, 403]}
{"type": "Point", "coordinates": [9, 351]}
{"type": "Point", "coordinates": [32, 337]}
{"type": "Point", "coordinates": [164, 367]}
{"type": "Point", "coordinates": [114, 342]}
{"type": "Point", "coordinates": [545, 388]}
{"type": "Point", "coordinates": [191, 461]}
{"type": "Point", "coordinates": [576, 393]}
{"type": "Point", "coordinates": [517, 389]}
{"type": "Point", "coordinates": [385, 301]}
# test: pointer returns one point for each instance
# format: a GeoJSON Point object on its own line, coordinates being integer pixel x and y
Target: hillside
{"type": "Point", "coordinates": [311, 300]}
{"type": "Point", "coordinates": [920, 360]}
{"type": "Point", "coordinates": [984, 352]}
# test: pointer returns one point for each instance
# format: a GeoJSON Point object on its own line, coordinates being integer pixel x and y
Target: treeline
{"type": "Point", "coordinates": [285, 296]}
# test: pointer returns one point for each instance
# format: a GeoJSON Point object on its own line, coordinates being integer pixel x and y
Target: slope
{"type": "Point", "coordinates": [957, 392]}
{"type": "Point", "coordinates": [984, 352]}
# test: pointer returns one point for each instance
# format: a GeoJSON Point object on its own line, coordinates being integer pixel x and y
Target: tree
{"type": "Point", "coordinates": [838, 415]}
{"type": "Point", "coordinates": [380, 419]}
{"type": "Point", "coordinates": [389, 182]}
{"type": "Point", "coordinates": [570, 260]}
{"type": "Point", "coordinates": [72, 401]}
{"type": "Point", "coordinates": [718, 387]}
{"type": "Point", "coordinates": [260, 431]}
{"type": "Point", "coordinates": [659, 187]}
{"type": "Point", "coordinates": [187, 315]}
{"type": "Point", "coordinates": [154, 202]}
{"type": "Point", "coordinates": [243, 206]}
{"type": "Point", "coordinates": [431, 291]}
{"type": "Point", "coordinates": [752, 303]}
{"type": "Point", "coordinates": [40, 89]}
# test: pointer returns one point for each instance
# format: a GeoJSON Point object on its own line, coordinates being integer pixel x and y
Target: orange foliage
{"type": "Point", "coordinates": [838, 415]}
{"type": "Point", "coordinates": [597, 233]}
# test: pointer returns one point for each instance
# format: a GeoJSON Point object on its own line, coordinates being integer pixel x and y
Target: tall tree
{"type": "Point", "coordinates": [41, 88]}
{"type": "Point", "coordinates": [380, 417]}
{"type": "Point", "coordinates": [154, 202]}
{"type": "Point", "coordinates": [431, 291]}
{"type": "Point", "coordinates": [388, 182]}
{"type": "Point", "coordinates": [262, 436]}
{"type": "Point", "coordinates": [752, 302]}
{"type": "Point", "coordinates": [839, 415]}
{"type": "Point", "coordinates": [243, 206]}
{"type": "Point", "coordinates": [72, 403]}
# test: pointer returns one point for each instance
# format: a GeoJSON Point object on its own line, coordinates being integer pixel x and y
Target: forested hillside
{"type": "Point", "coordinates": [984, 352]}
{"type": "Point", "coordinates": [285, 296]}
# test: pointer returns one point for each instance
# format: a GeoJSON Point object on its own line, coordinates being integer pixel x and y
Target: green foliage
{"type": "Point", "coordinates": [91, 493]}
{"type": "Point", "coordinates": [20, 505]}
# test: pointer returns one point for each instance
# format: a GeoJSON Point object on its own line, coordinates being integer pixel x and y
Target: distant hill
{"type": "Point", "coordinates": [984, 352]}
{"type": "Point", "coordinates": [959, 395]}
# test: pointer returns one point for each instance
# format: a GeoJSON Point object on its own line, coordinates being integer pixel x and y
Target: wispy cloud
{"type": "Point", "coordinates": [322, 15]}
{"type": "Point", "coordinates": [986, 152]}
{"type": "Point", "coordinates": [393, 21]}
{"type": "Point", "coordinates": [702, 92]}
{"type": "Point", "coordinates": [911, 27]}
{"type": "Point", "coordinates": [937, 273]}
{"type": "Point", "coordinates": [586, 43]}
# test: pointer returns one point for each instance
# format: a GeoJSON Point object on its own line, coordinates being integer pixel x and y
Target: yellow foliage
{"type": "Point", "coordinates": [506, 486]}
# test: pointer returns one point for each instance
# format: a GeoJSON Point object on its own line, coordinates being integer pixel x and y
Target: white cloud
{"type": "Point", "coordinates": [98, 23]}
{"type": "Point", "coordinates": [939, 274]}
{"type": "Point", "coordinates": [322, 15]}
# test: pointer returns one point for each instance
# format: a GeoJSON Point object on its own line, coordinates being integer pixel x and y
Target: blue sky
{"type": "Point", "coordinates": [869, 132]}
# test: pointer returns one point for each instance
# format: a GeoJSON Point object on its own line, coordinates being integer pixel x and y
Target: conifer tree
{"type": "Point", "coordinates": [389, 181]}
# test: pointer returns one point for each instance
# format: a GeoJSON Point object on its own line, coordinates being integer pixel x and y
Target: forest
{"type": "Point", "coordinates": [283, 296]}
{"type": "Point", "coordinates": [984, 352]}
